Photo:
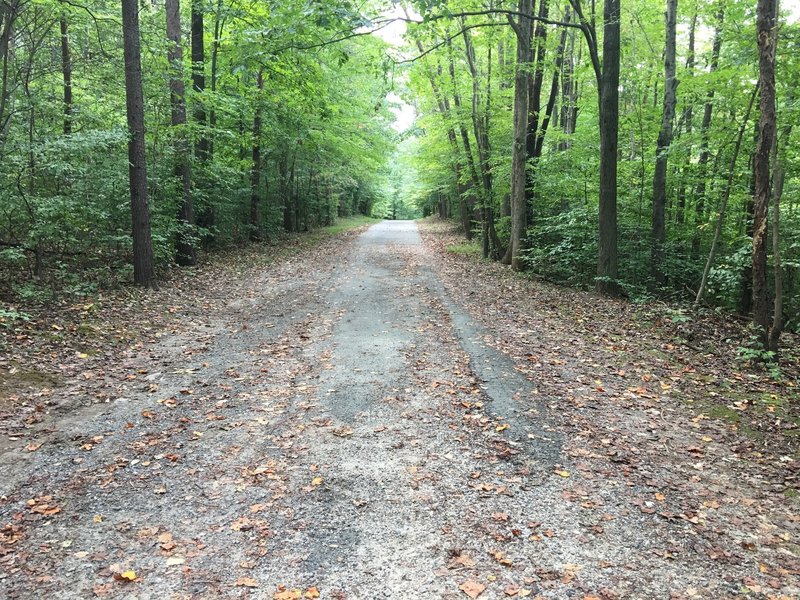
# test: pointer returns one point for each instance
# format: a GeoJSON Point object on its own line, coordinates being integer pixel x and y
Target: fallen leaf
{"type": "Point", "coordinates": [312, 592]}
{"type": "Point", "coordinates": [500, 517]}
{"type": "Point", "coordinates": [33, 447]}
{"type": "Point", "coordinates": [287, 594]}
{"type": "Point", "coordinates": [463, 560]}
{"type": "Point", "coordinates": [175, 560]}
{"type": "Point", "coordinates": [246, 582]}
{"type": "Point", "coordinates": [562, 473]}
{"type": "Point", "coordinates": [472, 588]}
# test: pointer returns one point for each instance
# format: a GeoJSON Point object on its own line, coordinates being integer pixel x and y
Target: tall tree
{"type": "Point", "coordinates": [255, 172]}
{"type": "Point", "coordinates": [607, 77]}
{"type": "Point", "coordinates": [765, 31]}
{"type": "Point", "coordinates": [143, 270]}
{"type": "Point", "coordinates": [607, 265]}
{"type": "Point", "coordinates": [66, 72]}
{"type": "Point", "coordinates": [662, 147]}
{"type": "Point", "coordinates": [705, 129]}
{"type": "Point", "coordinates": [199, 75]}
{"type": "Point", "coordinates": [185, 254]}
{"type": "Point", "coordinates": [519, 210]}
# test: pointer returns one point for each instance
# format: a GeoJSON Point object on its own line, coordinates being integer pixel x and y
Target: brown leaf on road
{"type": "Point", "coordinates": [462, 560]}
{"type": "Point", "coordinates": [246, 582]}
{"type": "Point", "coordinates": [343, 431]}
{"type": "Point", "coordinates": [283, 594]}
{"type": "Point", "coordinates": [312, 592]}
{"type": "Point", "coordinates": [500, 517]}
{"type": "Point", "coordinates": [472, 588]}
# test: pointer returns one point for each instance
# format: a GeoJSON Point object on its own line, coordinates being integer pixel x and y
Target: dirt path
{"type": "Point", "coordinates": [342, 426]}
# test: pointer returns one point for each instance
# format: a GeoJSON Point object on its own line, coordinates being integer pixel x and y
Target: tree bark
{"type": "Point", "coordinates": [705, 154]}
{"type": "Point", "coordinates": [522, 29]}
{"type": "Point", "coordinates": [569, 92]}
{"type": "Point", "coordinates": [212, 116]}
{"type": "Point", "coordinates": [539, 45]}
{"type": "Point", "coordinates": [199, 76]}
{"type": "Point", "coordinates": [778, 179]}
{"type": "Point", "coordinates": [442, 104]}
{"type": "Point", "coordinates": [143, 271]}
{"type": "Point", "coordinates": [185, 252]}
{"type": "Point", "coordinates": [662, 149]}
{"type": "Point", "coordinates": [680, 214]}
{"type": "Point", "coordinates": [9, 11]}
{"type": "Point", "coordinates": [765, 25]}
{"type": "Point", "coordinates": [701, 292]}
{"type": "Point", "coordinates": [607, 266]}
{"type": "Point", "coordinates": [255, 174]}
{"type": "Point", "coordinates": [66, 72]}
{"type": "Point", "coordinates": [491, 246]}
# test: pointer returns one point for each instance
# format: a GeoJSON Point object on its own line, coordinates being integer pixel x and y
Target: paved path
{"type": "Point", "coordinates": [338, 425]}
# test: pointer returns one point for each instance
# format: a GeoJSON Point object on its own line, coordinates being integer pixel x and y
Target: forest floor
{"type": "Point", "coordinates": [378, 416]}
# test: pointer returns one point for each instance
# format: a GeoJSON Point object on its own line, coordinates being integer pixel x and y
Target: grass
{"type": "Point", "coordinates": [471, 249]}
{"type": "Point", "coordinates": [340, 226]}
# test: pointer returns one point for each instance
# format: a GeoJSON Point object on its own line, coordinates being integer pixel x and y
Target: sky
{"type": "Point", "coordinates": [393, 34]}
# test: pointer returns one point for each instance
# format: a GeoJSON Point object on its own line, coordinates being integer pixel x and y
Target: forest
{"type": "Point", "coordinates": [644, 150]}
{"type": "Point", "coordinates": [441, 299]}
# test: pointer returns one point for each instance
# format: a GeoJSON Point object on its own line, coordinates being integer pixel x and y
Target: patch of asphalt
{"type": "Point", "coordinates": [512, 396]}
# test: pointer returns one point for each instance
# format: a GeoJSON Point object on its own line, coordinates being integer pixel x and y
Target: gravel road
{"type": "Point", "coordinates": [336, 427]}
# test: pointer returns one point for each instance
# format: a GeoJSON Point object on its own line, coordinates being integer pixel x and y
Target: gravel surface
{"type": "Point", "coordinates": [338, 426]}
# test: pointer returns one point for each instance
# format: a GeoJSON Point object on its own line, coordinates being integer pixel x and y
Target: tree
{"type": "Point", "coordinates": [255, 173]}
{"type": "Point", "coordinates": [607, 77]}
{"type": "Point", "coordinates": [66, 72]}
{"type": "Point", "coordinates": [186, 254]}
{"type": "Point", "coordinates": [519, 210]}
{"type": "Point", "coordinates": [767, 39]}
{"type": "Point", "coordinates": [662, 146]}
{"type": "Point", "coordinates": [607, 263]}
{"type": "Point", "coordinates": [143, 270]}
{"type": "Point", "coordinates": [199, 75]}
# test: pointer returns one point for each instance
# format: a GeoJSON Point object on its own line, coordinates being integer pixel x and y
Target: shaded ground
{"type": "Point", "coordinates": [338, 423]}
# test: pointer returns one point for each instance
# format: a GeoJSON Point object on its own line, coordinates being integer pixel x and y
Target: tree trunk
{"type": "Point", "coordinates": [66, 72]}
{"type": "Point", "coordinates": [765, 25]}
{"type": "Point", "coordinates": [778, 179]}
{"type": "Point", "coordinates": [143, 272]}
{"type": "Point", "coordinates": [212, 115]}
{"type": "Point", "coordinates": [185, 253]}
{"type": "Point", "coordinates": [607, 267]}
{"type": "Point", "coordinates": [700, 189]}
{"type": "Point", "coordinates": [199, 76]}
{"type": "Point", "coordinates": [539, 45]}
{"type": "Point", "coordinates": [8, 17]}
{"type": "Point", "coordinates": [480, 125]}
{"type": "Point", "coordinates": [569, 104]}
{"type": "Point", "coordinates": [701, 292]}
{"type": "Point", "coordinates": [444, 110]}
{"type": "Point", "coordinates": [680, 215]}
{"type": "Point", "coordinates": [255, 174]}
{"type": "Point", "coordinates": [662, 149]}
{"type": "Point", "coordinates": [522, 29]}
